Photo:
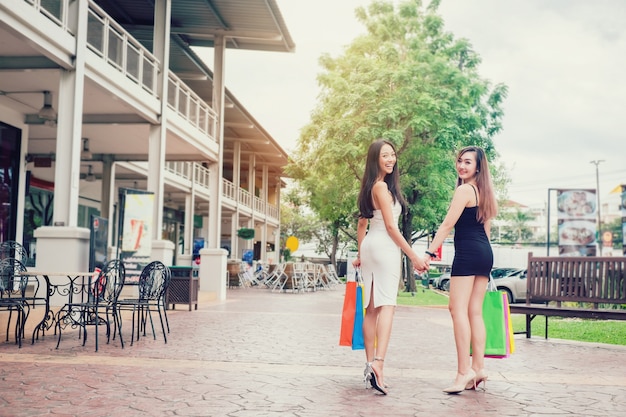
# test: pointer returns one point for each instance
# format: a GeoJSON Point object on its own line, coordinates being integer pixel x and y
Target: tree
{"type": "Point", "coordinates": [409, 81]}
{"type": "Point", "coordinates": [299, 220]}
{"type": "Point", "coordinates": [517, 230]}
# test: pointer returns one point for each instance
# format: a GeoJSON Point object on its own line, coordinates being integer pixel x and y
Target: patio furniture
{"type": "Point", "coordinates": [98, 302]}
{"type": "Point", "coordinates": [12, 288]}
{"type": "Point", "coordinates": [152, 286]}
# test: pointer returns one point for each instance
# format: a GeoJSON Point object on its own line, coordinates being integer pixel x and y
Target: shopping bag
{"type": "Point", "coordinates": [496, 326]}
{"type": "Point", "coordinates": [510, 342]}
{"type": "Point", "coordinates": [348, 314]}
{"type": "Point", "coordinates": [357, 331]}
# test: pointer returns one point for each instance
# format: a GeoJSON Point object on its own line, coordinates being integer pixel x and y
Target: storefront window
{"type": "Point", "coordinates": [9, 179]}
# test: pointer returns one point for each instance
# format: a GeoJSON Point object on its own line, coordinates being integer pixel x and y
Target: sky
{"type": "Point", "coordinates": [562, 60]}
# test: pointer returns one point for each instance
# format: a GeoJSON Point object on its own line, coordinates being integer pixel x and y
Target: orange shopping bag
{"type": "Point", "coordinates": [348, 314]}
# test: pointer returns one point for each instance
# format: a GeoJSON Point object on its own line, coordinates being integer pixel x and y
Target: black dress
{"type": "Point", "coordinates": [472, 250]}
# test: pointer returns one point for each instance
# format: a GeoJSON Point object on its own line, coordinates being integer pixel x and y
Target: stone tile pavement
{"type": "Point", "coordinates": [276, 354]}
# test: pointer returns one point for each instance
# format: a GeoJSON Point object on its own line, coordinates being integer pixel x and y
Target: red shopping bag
{"type": "Point", "coordinates": [348, 314]}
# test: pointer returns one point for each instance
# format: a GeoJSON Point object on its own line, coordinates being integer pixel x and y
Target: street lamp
{"type": "Point", "coordinates": [596, 163]}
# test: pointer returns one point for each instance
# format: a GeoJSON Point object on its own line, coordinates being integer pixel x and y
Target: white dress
{"type": "Point", "coordinates": [380, 261]}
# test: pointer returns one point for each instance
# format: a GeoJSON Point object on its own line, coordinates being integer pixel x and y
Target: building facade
{"type": "Point", "coordinates": [102, 96]}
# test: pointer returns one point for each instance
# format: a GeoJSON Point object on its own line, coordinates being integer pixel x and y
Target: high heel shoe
{"type": "Point", "coordinates": [367, 374]}
{"type": "Point", "coordinates": [468, 378]}
{"type": "Point", "coordinates": [372, 378]}
{"type": "Point", "coordinates": [481, 376]}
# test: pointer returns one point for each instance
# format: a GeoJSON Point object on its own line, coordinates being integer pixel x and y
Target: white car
{"type": "Point", "coordinates": [514, 285]}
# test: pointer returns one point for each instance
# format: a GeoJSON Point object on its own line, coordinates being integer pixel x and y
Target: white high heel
{"type": "Point", "coordinates": [468, 379]}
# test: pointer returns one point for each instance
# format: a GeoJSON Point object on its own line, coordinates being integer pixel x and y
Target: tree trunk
{"type": "Point", "coordinates": [407, 231]}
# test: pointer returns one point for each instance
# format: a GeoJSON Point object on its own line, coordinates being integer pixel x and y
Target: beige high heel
{"type": "Point", "coordinates": [481, 376]}
{"type": "Point", "coordinates": [468, 378]}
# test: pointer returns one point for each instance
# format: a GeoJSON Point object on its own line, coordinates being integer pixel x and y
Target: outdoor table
{"type": "Point", "coordinates": [72, 284]}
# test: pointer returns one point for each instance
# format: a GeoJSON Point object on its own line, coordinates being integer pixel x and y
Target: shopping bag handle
{"type": "Point", "coordinates": [491, 286]}
{"type": "Point", "coordinates": [357, 275]}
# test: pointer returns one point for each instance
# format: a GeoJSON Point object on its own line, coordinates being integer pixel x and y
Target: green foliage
{"type": "Point", "coordinates": [422, 297]}
{"type": "Point", "coordinates": [582, 330]}
{"type": "Point", "coordinates": [407, 80]}
{"type": "Point", "coordinates": [245, 233]}
{"type": "Point", "coordinates": [516, 229]}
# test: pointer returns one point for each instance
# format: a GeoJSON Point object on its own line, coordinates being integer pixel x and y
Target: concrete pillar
{"type": "Point", "coordinates": [62, 250]}
{"type": "Point", "coordinates": [163, 250]}
{"type": "Point", "coordinates": [212, 272]}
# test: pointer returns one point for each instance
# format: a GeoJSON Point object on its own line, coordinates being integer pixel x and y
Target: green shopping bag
{"type": "Point", "coordinates": [496, 326]}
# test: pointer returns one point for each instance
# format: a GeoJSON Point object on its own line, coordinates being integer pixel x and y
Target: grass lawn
{"type": "Point", "coordinates": [587, 330]}
{"type": "Point", "coordinates": [582, 330]}
{"type": "Point", "coordinates": [422, 297]}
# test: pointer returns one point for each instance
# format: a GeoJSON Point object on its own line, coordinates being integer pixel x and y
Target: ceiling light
{"type": "Point", "coordinates": [47, 112]}
{"type": "Point", "coordinates": [86, 153]}
{"type": "Point", "coordinates": [90, 177]}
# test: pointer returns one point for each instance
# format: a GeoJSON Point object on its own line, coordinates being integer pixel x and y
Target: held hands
{"type": "Point", "coordinates": [420, 265]}
{"type": "Point", "coordinates": [356, 263]}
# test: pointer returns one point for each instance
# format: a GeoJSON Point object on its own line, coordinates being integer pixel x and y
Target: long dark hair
{"type": "Point", "coordinates": [365, 201]}
{"type": "Point", "coordinates": [487, 205]}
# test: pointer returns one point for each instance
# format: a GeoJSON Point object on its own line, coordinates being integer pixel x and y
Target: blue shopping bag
{"type": "Point", "coordinates": [357, 332]}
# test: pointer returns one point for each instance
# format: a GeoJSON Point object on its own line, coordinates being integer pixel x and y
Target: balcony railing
{"type": "Point", "coordinates": [201, 174]}
{"type": "Point", "coordinates": [111, 42]}
{"type": "Point", "coordinates": [108, 40]}
{"type": "Point", "coordinates": [118, 48]}
{"type": "Point", "coordinates": [57, 11]}
{"type": "Point", "coordinates": [182, 100]}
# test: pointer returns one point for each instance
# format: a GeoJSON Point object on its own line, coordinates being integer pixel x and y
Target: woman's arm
{"type": "Point", "coordinates": [384, 201]}
{"type": "Point", "coordinates": [361, 231]}
{"type": "Point", "coordinates": [462, 196]}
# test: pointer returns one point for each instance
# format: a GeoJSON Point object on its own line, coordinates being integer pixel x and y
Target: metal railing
{"type": "Point", "coordinates": [107, 39]}
{"type": "Point", "coordinates": [119, 49]}
{"type": "Point", "coordinates": [57, 11]}
{"type": "Point", "coordinates": [181, 168]}
{"type": "Point", "coordinates": [187, 104]}
{"type": "Point", "coordinates": [229, 190]}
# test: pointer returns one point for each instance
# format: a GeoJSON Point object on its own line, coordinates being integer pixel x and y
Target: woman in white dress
{"type": "Point", "coordinates": [380, 204]}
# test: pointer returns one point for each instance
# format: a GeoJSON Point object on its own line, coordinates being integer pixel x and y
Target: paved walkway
{"type": "Point", "coordinates": [273, 354]}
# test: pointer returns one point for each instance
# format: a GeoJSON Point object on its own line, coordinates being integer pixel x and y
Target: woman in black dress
{"type": "Point", "coordinates": [471, 210]}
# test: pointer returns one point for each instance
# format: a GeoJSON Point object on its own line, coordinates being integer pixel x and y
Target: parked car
{"type": "Point", "coordinates": [514, 285]}
{"type": "Point", "coordinates": [442, 282]}
{"type": "Point", "coordinates": [502, 272]}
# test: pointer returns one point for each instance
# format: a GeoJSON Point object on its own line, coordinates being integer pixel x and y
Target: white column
{"type": "Point", "coordinates": [234, 240]}
{"type": "Point", "coordinates": [217, 169]}
{"type": "Point", "coordinates": [157, 136]}
{"type": "Point", "coordinates": [69, 128]}
{"type": "Point", "coordinates": [188, 230]}
{"type": "Point", "coordinates": [264, 196]}
{"type": "Point", "coordinates": [112, 191]}
{"type": "Point", "coordinates": [277, 237]}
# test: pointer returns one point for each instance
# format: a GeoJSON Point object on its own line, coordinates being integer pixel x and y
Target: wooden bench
{"type": "Point", "coordinates": [595, 287]}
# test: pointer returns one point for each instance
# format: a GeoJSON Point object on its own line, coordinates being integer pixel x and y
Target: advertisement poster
{"type": "Point", "coordinates": [135, 233]}
{"type": "Point", "coordinates": [577, 213]}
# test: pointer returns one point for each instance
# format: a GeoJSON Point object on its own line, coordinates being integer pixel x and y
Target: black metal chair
{"type": "Point", "coordinates": [10, 249]}
{"type": "Point", "coordinates": [12, 290]}
{"type": "Point", "coordinates": [98, 302]}
{"type": "Point", "coordinates": [14, 250]}
{"type": "Point", "coordinates": [152, 289]}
